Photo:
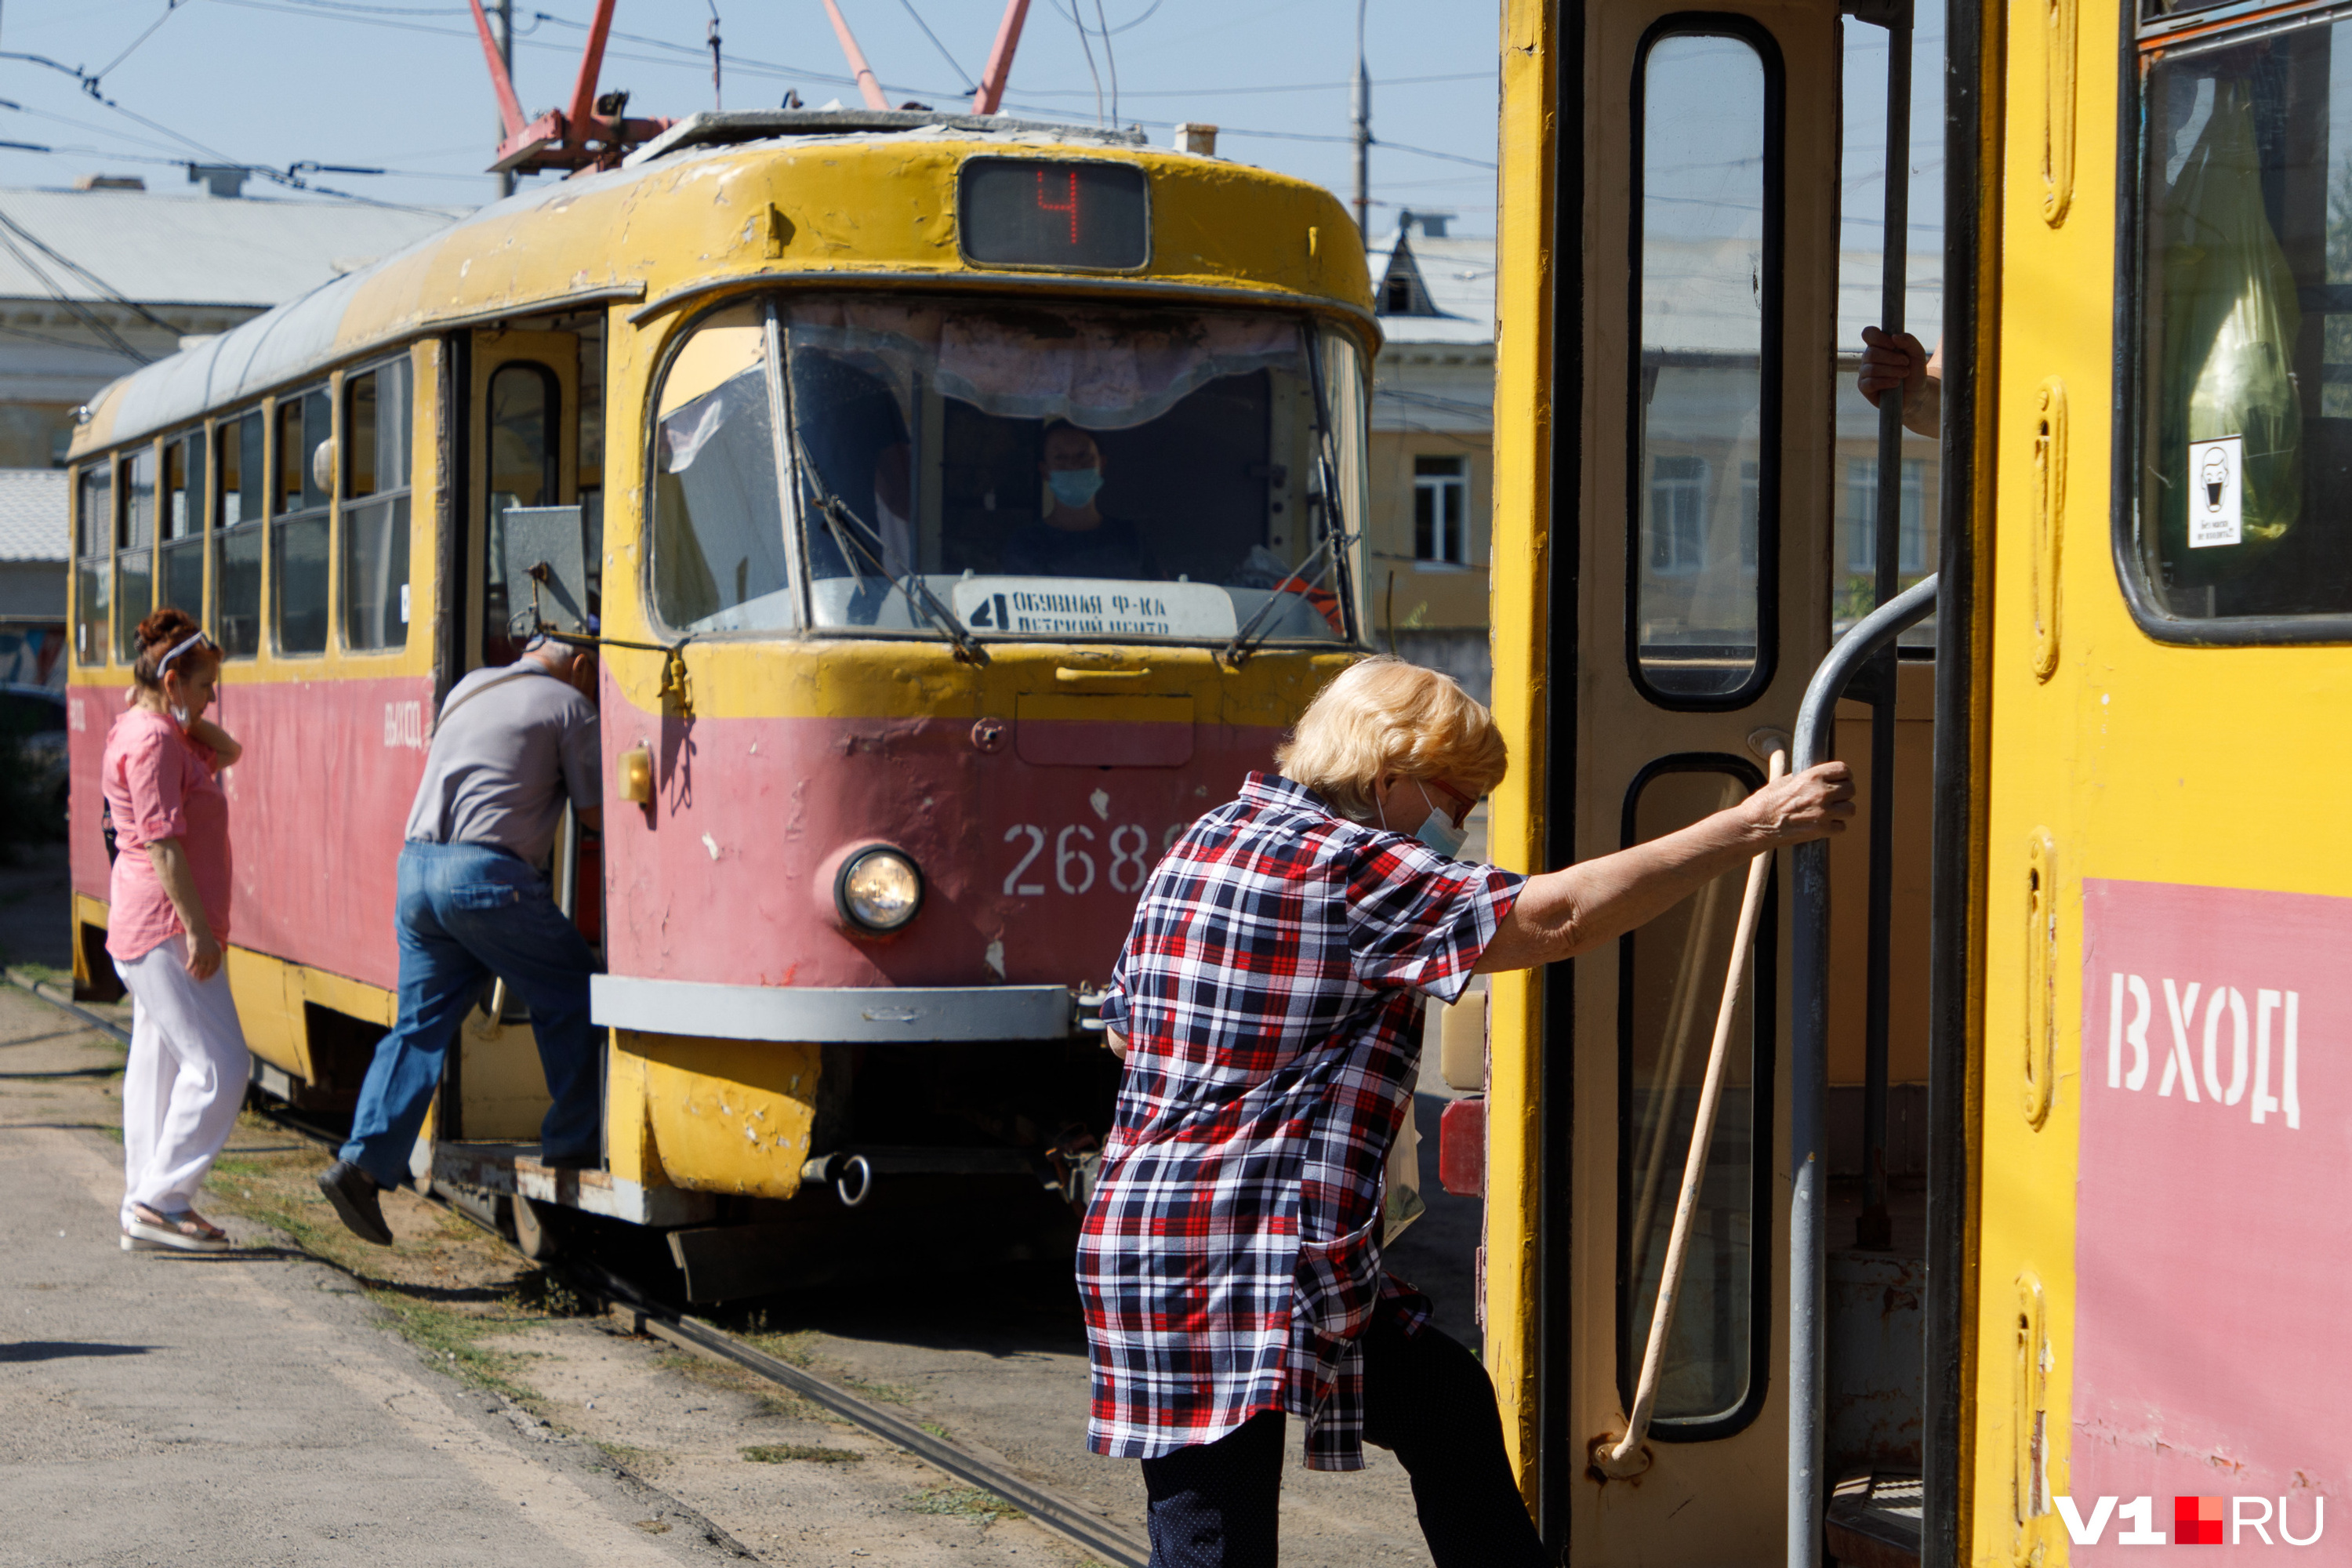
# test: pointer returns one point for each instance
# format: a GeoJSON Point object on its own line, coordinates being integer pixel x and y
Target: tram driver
{"type": "Point", "coordinates": [511, 746]}
{"type": "Point", "coordinates": [1074, 538]}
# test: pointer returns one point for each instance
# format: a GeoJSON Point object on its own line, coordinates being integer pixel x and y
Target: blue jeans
{"type": "Point", "coordinates": [467, 912]}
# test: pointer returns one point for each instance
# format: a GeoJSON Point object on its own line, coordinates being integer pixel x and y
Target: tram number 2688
{"type": "Point", "coordinates": [1120, 856]}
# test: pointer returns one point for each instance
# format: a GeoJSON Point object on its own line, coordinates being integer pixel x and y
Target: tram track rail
{"type": "Point", "coordinates": [644, 1311]}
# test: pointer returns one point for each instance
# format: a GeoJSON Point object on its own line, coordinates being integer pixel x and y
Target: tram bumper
{"type": "Point", "coordinates": [848, 1016]}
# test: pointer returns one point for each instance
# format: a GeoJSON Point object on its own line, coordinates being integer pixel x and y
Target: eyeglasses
{"type": "Point", "coordinates": [1463, 804]}
{"type": "Point", "coordinates": [192, 640]}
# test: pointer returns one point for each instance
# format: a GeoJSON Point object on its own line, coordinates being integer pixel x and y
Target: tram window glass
{"type": "Point", "coordinates": [134, 559]}
{"type": "Point", "coordinates": [525, 446]}
{"type": "Point", "coordinates": [2243, 503]}
{"type": "Point", "coordinates": [1671, 980]}
{"type": "Point", "coordinates": [1704, 447]}
{"type": "Point", "coordinates": [719, 539]}
{"type": "Point", "coordinates": [93, 561]}
{"type": "Point", "coordinates": [182, 521]}
{"type": "Point", "coordinates": [1073, 471]}
{"type": "Point", "coordinates": [238, 530]}
{"type": "Point", "coordinates": [299, 533]}
{"type": "Point", "coordinates": [376, 415]}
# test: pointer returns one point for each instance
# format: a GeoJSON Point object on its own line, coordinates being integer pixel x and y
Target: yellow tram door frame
{"type": "Point", "coordinates": [1613, 731]}
{"type": "Point", "coordinates": [495, 1079]}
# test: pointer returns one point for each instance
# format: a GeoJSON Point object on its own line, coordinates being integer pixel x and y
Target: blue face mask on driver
{"type": "Point", "coordinates": [1073, 487]}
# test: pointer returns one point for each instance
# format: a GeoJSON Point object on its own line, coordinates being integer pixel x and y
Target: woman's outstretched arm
{"type": "Point", "coordinates": [1562, 913]}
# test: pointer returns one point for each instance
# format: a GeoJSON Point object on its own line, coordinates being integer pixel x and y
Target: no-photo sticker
{"type": "Point", "coordinates": [2215, 470]}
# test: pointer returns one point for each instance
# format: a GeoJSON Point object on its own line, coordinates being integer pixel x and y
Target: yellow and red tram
{"type": "Point", "coordinates": [892, 732]}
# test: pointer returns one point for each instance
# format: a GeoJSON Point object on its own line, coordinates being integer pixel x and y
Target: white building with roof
{"type": "Point", "coordinates": [33, 576]}
{"type": "Point", "coordinates": [1432, 451]}
{"type": "Point", "coordinates": [99, 279]}
{"type": "Point", "coordinates": [95, 282]}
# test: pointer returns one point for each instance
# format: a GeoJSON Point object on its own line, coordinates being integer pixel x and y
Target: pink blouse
{"type": "Point", "coordinates": [160, 785]}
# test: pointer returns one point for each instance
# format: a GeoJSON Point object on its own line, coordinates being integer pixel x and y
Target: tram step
{"type": "Point", "coordinates": [1874, 1520]}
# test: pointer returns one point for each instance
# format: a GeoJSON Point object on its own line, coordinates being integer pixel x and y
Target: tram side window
{"type": "Point", "coordinates": [377, 410]}
{"type": "Point", "coordinates": [718, 545]}
{"type": "Point", "coordinates": [93, 561]}
{"type": "Point", "coordinates": [299, 532]}
{"type": "Point", "coordinates": [1671, 976]}
{"type": "Point", "coordinates": [134, 559]}
{"type": "Point", "coordinates": [182, 552]}
{"type": "Point", "coordinates": [1705, 482]}
{"type": "Point", "coordinates": [2244, 501]}
{"type": "Point", "coordinates": [525, 443]}
{"type": "Point", "coordinates": [238, 531]}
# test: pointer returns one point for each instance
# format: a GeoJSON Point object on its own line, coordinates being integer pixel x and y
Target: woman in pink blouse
{"type": "Point", "coordinates": [170, 897]}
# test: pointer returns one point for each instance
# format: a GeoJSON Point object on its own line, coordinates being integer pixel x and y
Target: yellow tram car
{"type": "Point", "coordinates": [2106, 1308]}
{"type": "Point", "coordinates": [779, 408]}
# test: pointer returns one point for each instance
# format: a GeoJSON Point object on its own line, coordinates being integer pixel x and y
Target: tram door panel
{"type": "Point", "coordinates": [523, 426]}
{"type": "Point", "coordinates": [1710, 238]}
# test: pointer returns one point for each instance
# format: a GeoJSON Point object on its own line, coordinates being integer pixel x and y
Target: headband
{"type": "Point", "coordinates": [185, 644]}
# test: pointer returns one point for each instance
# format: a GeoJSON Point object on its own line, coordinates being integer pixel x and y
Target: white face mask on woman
{"type": "Point", "coordinates": [1436, 829]}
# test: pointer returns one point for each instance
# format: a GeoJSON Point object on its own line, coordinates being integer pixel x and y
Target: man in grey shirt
{"type": "Point", "coordinates": [511, 746]}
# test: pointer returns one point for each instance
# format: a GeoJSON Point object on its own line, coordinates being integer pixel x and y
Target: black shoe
{"type": "Point", "coordinates": [591, 1161]}
{"type": "Point", "coordinates": [353, 1193]}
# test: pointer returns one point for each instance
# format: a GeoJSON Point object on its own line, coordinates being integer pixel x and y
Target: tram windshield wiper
{"type": "Point", "coordinates": [859, 539]}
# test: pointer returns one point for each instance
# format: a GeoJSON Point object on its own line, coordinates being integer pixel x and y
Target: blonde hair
{"type": "Point", "coordinates": [1383, 716]}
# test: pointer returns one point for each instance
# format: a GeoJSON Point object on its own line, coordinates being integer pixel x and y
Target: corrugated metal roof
{"type": "Point", "coordinates": [1457, 276]}
{"type": "Point", "coordinates": [197, 249]}
{"type": "Point", "coordinates": [33, 515]}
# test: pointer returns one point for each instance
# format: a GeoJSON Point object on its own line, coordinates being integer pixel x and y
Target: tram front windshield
{"type": "Point", "coordinates": [1016, 471]}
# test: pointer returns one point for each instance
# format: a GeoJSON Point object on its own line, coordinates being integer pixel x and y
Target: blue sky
{"type": "Point", "coordinates": [400, 84]}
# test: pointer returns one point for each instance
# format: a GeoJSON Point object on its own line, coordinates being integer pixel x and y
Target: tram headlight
{"type": "Point", "coordinates": [879, 889]}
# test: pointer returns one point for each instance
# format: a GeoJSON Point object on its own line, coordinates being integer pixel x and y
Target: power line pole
{"type": "Point", "coordinates": [1363, 131]}
{"type": "Point", "coordinates": [506, 53]}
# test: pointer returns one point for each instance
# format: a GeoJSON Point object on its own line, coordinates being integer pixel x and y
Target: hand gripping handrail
{"type": "Point", "coordinates": [1809, 1073]}
{"type": "Point", "coordinates": [1625, 1456]}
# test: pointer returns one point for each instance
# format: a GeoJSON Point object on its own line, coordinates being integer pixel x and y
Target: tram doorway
{"type": "Point", "coordinates": [1717, 493]}
{"type": "Point", "coordinates": [534, 426]}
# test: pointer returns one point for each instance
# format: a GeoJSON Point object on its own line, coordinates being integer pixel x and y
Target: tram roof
{"type": "Point", "coordinates": [500, 262]}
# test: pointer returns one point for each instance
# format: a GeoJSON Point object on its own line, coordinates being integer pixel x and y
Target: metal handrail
{"type": "Point", "coordinates": [1809, 1073]}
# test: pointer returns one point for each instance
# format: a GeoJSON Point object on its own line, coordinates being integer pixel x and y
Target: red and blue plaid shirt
{"type": "Point", "coordinates": [1271, 994]}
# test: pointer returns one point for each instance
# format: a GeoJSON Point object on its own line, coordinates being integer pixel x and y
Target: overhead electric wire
{"type": "Point", "coordinates": [968, 85]}
{"type": "Point", "coordinates": [75, 308]}
{"type": "Point", "coordinates": [1091, 73]}
{"type": "Point", "coordinates": [84, 273]}
{"type": "Point", "coordinates": [1110, 58]}
{"type": "Point", "coordinates": [169, 6]}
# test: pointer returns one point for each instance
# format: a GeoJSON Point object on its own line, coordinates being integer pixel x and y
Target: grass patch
{"type": "Point", "coordinates": [452, 1341]}
{"type": "Point", "coordinates": [642, 1461]}
{"type": "Point", "coordinates": [962, 1502]}
{"type": "Point", "coordinates": [879, 1393]}
{"type": "Point", "coordinates": [547, 1296]}
{"type": "Point", "coordinates": [793, 1349]}
{"type": "Point", "coordinates": [936, 1430]}
{"type": "Point", "coordinates": [805, 1453]}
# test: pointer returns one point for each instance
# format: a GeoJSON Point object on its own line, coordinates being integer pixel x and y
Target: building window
{"type": "Point", "coordinates": [376, 409]}
{"type": "Point", "coordinates": [299, 532]}
{"type": "Point", "coordinates": [1677, 514]}
{"type": "Point", "coordinates": [238, 529]}
{"type": "Point", "coordinates": [93, 553]}
{"type": "Point", "coordinates": [1861, 516]}
{"type": "Point", "coordinates": [1441, 510]}
{"type": "Point", "coordinates": [1396, 295]}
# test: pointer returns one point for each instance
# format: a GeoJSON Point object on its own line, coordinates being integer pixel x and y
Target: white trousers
{"type": "Point", "coordinates": [184, 1081]}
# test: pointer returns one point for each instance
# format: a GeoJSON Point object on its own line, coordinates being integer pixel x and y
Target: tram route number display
{"type": "Point", "coordinates": [1053, 212]}
{"type": "Point", "coordinates": [1093, 607]}
{"type": "Point", "coordinates": [1068, 857]}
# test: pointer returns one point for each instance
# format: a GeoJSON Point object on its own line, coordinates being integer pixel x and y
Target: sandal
{"type": "Point", "coordinates": [186, 1231]}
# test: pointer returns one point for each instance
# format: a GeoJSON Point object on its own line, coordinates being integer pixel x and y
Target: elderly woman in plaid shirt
{"type": "Point", "coordinates": [1268, 1005]}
